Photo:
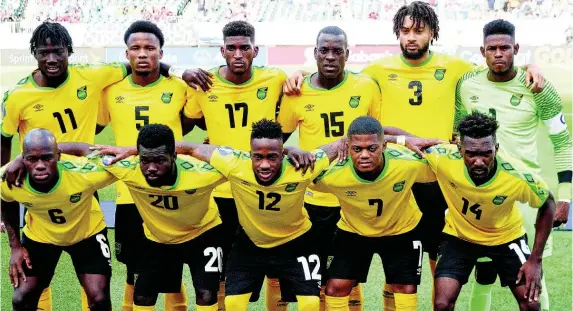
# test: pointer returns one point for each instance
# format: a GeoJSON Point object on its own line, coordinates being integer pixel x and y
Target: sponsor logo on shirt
{"type": "Point", "coordinates": [474, 99]}
{"type": "Point", "coordinates": [309, 107]}
{"type": "Point", "coordinates": [453, 185]}
{"type": "Point", "coordinates": [262, 93]}
{"type": "Point", "coordinates": [354, 101]}
{"type": "Point", "coordinates": [440, 74]}
{"type": "Point", "coordinates": [213, 98]}
{"type": "Point", "coordinates": [392, 77]}
{"type": "Point", "coordinates": [82, 92]}
{"type": "Point", "coordinates": [119, 99]}
{"type": "Point", "coordinates": [38, 107]}
{"type": "Point", "coordinates": [351, 193]}
{"type": "Point", "coordinates": [27, 204]}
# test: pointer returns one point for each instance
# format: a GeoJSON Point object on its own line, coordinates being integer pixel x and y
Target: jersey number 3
{"type": "Point", "coordinates": [417, 87]}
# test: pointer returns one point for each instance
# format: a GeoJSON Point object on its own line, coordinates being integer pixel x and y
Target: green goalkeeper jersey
{"type": "Point", "coordinates": [519, 112]}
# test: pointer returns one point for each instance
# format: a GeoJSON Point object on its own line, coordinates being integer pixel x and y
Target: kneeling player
{"type": "Point", "coordinates": [379, 215]}
{"type": "Point", "coordinates": [62, 215]}
{"type": "Point", "coordinates": [481, 188]}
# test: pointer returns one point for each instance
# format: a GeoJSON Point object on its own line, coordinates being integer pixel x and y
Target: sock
{"type": "Point", "coordinates": [176, 301]}
{"type": "Point", "coordinates": [481, 297]}
{"type": "Point", "coordinates": [45, 302]}
{"type": "Point", "coordinates": [544, 296]}
{"type": "Point", "coordinates": [336, 303]}
{"type": "Point", "coordinates": [221, 296]}
{"type": "Point", "coordinates": [237, 302]}
{"type": "Point", "coordinates": [273, 297]}
{"type": "Point", "coordinates": [308, 303]}
{"type": "Point", "coordinates": [85, 304]}
{"type": "Point", "coordinates": [322, 297]}
{"type": "Point", "coordinates": [388, 300]}
{"type": "Point", "coordinates": [213, 307]}
{"type": "Point", "coordinates": [406, 302]}
{"type": "Point", "coordinates": [143, 308]}
{"type": "Point", "coordinates": [355, 302]}
{"type": "Point", "coordinates": [127, 304]}
{"type": "Point", "coordinates": [433, 264]}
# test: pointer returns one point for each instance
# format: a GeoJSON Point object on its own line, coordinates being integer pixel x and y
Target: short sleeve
{"type": "Point", "coordinates": [461, 110]}
{"type": "Point", "coordinates": [321, 164]}
{"type": "Point", "coordinates": [287, 114]}
{"type": "Point", "coordinates": [370, 71]}
{"type": "Point", "coordinates": [375, 109]}
{"type": "Point", "coordinates": [433, 155]}
{"type": "Point", "coordinates": [4, 190]}
{"type": "Point", "coordinates": [92, 169]}
{"type": "Point", "coordinates": [225, 159]}
{"type": "Point", "coordinates": [104, 117]}
{"type": "Point", "coordinates": [106, 74]}
{"type": "Point", "coordinates": [548, 102]}
{"type": "Point", "coordinates": [425, 173]}
{"type": "Point", "coordinates": [533, 191]}
{"type": "Point", "coordinates": [192, 108]}
{"type": "Point", "coordinates": [10, 115]}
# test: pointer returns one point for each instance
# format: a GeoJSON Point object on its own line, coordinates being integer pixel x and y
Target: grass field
{"type": "Point", "coordinates": [557, 267]}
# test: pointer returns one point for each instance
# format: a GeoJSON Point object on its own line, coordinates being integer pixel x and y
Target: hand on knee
{"type": "Point", "coordinates": [205, 297]}
{"type": "Point", "coordinates": [25, 300]}
{"type": "Point", "coordinates": [339, 288]}
{"type": "Point", "coordinates": [526, 305]}
{"type": "Point", "coordinates": [140, 300]}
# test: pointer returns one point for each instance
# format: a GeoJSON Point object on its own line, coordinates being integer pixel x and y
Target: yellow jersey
{"type": "Point", "coordinates": [382, 207]}
{"type": "Point", "coordinates": [230, 109]}
{"type": "Point", "coordinates": [419, 99]}
{"type": "Point", "coordinates": [270, 215]}
{"type": "Point", "coordinates": [178, 213]}
{"type": "Point", "coordinates": [68, 111]}
{"type": "Point", "coordinates": [128, 107]}
{"type": "Point", "coordinates": [485, 214]}
{"type": "Point", "coordinates": [323, 116]}
{"type": "Point", "coordinates": [68, 213]}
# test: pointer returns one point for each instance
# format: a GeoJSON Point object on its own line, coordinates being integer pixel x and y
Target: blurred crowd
{"type": "Point", "coordinates": [87, 11]}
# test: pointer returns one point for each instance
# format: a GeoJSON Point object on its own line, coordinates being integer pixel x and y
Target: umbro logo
{"type": "Point", "coordinates": [392, 77]}
{"type": "Point", "coordinates": [38, 107]}
{"type": "Point", "coordinates": [245, 183]}
{"type": "Point", "coordinates": [213, 98]}
{"type": "Point", "coordinates": [453, 185]}
{"type": "Point", "coordinates": [351, 193]}
{"type": "Point", "coordinates": [309, 107]}
{"type": "Point", "coordinates": [119, 99]}
{"type": "Point", "coordinates": [474, 99]}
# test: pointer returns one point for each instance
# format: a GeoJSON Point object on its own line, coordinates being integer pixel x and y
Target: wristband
{"type": "Point", "coordinates": [401, 140]}
{"type": "Point", "coordinates": [564, 192]}
{"type": "Point", "coordinates": [176, 72]}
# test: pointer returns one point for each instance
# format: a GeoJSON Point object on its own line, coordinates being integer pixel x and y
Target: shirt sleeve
{"type": "Point", "coordinates": [10, 115]}
{"type": "Point", "coordinates": [433, 155]}
{"type": "Point", "coordinates": [376, 104]}
{"type": "Point", "coordinates": [461, 110]}
{"type": "Point", "coordinates": [225, 159]}
{"type": "Point", "coordinates": [287, 115]}
{"type": "Point", "coordinates": [425, 173]}
{"type": "Point", "coordinates": [104, 74]}
{"type": "Point", "coordinates": [4, 190]}
{"type": "Point", "coordinates": [370, 71]}
{"type": "Point", "coordinates": [104, 117]}
{"type": "Point", "coordinates": [321, 164]}
{"type": "Point", "coordinates": [534, 191]}
{"type": "Point", "coordinates": [192, 108]}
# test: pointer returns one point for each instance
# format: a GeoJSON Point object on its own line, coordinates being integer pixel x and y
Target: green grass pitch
{"type": "Point", "coordinates": [557, 268]}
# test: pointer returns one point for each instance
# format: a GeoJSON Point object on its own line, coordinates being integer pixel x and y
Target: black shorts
{"type": "Point", "coordinates": [324, 220]}
{"type": "Point", "coordinates": [229, 217]}
{"type": "Point", "coordinates": [401, 257]}
{"type": "Point", "coordinates": [295, 264]}
{"type": "Point", "coordinates": [433, 206]}
{"type": "Point", "coordinates": [160, 266]}
{"type": "Point", "coordinates": [128, 234]}
{"type": "Point", "coordinates": [457, 258]}
{"type": "Point", "coordinates": [90, 256]}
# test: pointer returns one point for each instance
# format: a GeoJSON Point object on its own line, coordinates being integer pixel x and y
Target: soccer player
{"type": "Point", "coordinates": [500, 91]}
{"type": "Point", "coordinates": [240, 94]}
{"type": "Point", "coordinates": [142, 98]}
{"type": "Point", "coordinates": [63, 215]}
{"type": "Point", "coordinates": [481, 187]}
{"type": "Point", "coordinates": [379, 215]}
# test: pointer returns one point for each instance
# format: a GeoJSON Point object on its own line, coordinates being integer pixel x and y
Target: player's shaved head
{"type": "Point", "coordinates": [365, 125]}
{"type": "Point", "coordinates": [39, 139]}
{"type": "Point", "coordinates": [499, 27]}
{"type": "Point", "coordinates": [239, 29]}
{"type": "Point", "coordinates": [366, 146]}
{"type": "Point", "coordinates": [477, 125]}
{"type": "Point", "coordinates": [335, 31]}
{"type": "Point", "coordinates": [40, 156]}
{"type": "Point", "coordinates": [266, 150]}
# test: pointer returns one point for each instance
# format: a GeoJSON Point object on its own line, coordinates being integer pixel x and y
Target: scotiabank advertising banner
{"type": "Point", "coordinates": [304, 55]}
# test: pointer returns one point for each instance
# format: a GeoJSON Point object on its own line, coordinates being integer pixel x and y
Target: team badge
{"type": "Point", "coordinates": [190, 191]}
{"type": "Point", "coordinates": [354, 101]}
{"type": "Point", "coordinates": [440, 74]}
{"type": "Point", "coordinates": [291, 187]}
{"type": "Point", "coordinates": [75, 198]}
{"type": "Point", "coordinates": [82, 92]}
{"type": "Point", "coordinates": [399, 186]}
{"type": "Point", "coordinates": [186, 165]}
{"type": "Point", "coordinates": [515, 100]}
{"type": "Point", "coordinates": [499, 199]}
{"type": "Point", "coordinates": [166, 97]}
{"type": "Point", "coordinates": [262, 93]}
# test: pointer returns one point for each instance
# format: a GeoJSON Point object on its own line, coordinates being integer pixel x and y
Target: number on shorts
{"type": "Point", "coordinates": [305, 266]}
{"type": "Point", "coordinates": [216, 258]}
{"type": "Point", "coordinates": [55, 216]}
{"type": "Point", "coordinates": [418, 246]}
{"type": "Point", "coordinates": [103, 244]}
{"type": "Point", "coordinates": [520, 251]}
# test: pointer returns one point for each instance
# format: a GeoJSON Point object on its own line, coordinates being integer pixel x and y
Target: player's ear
{"type": "Point", "coordinates": [315, 53]}
{"type": "Point", "coordinates": [347, 54]}
{"type": "Point", "coordinates": [223, 51]}
{"type": "Point", "coordinates": [496, 147]}
{"type": "Point", "coordinates": [126, 54]}
{"type": "Point", "coordinates": [515, 49]}
{"type": "Point", "coordinates": [256, 51]}
{"type": "Point", "coordinates": [59, 155]}
{"type": "Point", "coordinates": [482, 50]}
{"type": "Point", "coordinates": [160, 53]}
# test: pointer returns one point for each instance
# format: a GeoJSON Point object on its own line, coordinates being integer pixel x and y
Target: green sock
{"type": "Point", "coordinates": [481, 297]}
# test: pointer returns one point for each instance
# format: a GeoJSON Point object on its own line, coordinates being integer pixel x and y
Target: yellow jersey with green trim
{"type": "Point", "coordinates": [68, 111]}
{"type": "Point", "coordinates": [230, 109]}
{"type": "Point", "coordinates": [323, 116]}
{"type": "Point", "coordinates": [270, 215]}
{"type": "Point", "coordinates": [69, 212]}
{"type": "Point", "coordinates": [485, 214]}
{"type": "Point", "coordinates": [382, 207]}
{"type": "Point", "coordinates": [128, 107]}
{"type": "Point", "coordinates": [419, 99]}
{"type": "Point", "coordinates": [178, 213]}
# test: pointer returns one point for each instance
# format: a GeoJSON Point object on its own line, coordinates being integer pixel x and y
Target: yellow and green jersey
{"type": "Point", "coordinates": [68, 111]}
{"type": "Point", "coordinates": [270, 215]}
{"type": "Point", "coordinates": [68, 213]}
{"type": "Point", "coordinates": [323, 116]}
{"type": "Point", "coordinates": [230, 109]}
{"type": "Point", "coordinates": [485, 214]}
{"type": "Point", "coordinates": [382, 207]}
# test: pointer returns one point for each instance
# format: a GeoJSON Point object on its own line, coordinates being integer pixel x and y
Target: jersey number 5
{"type": "Point", "coordinates": [139, 117]}
{"type": "Point", "coordinates": [417, 87]}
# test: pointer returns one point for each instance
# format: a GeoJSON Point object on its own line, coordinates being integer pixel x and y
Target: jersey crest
{"type": "Point", "coordinates": [499, 199]}
{"type": "Point", "coordinates": [75, 198]}
{"type": "Point", "coordinates": [399, 186]}
{"type": "Point", "coordinates": [439, 74]}
{"type": "Point", "coordinates": [354, 101]}
{"type": "Point", "coordinates": [262, 93]}
{"type": "Point", "coordinates": [166, 97]}
{"type": "Point", "coordinates": [82, 92]}
{"type": "Point", "coordinates": [515, 100]}
{"type": "Point", "coordinates": [190, 191]}
{"type": "Point", "coordinates": [291, 187]}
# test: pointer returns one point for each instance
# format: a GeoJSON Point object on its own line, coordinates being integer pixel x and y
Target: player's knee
{"type": "Point", "coordinates": [403, 289]}
{"type": "Point", "coordinates": [339, 288]}
{"type": "Point", "coordinates": [485, 273]}
{"type": "Point", "coordinates": [526, 305]}
{"type": "Point", "coordinates": [145, 301]}
{"type": "Point", "coordinates": [22, 301]}
{"type": "Point", "coordinates": [443, 304]}
{"type": "Point", "coordinates": [205, 297]}
{"type": "Point", "coordinates": [100, 302]}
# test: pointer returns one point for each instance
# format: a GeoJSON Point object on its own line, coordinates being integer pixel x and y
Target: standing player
{"type": "Point", "coordinates": [240, 94]}
{"type": "Point", "coordinates": [63, 215]}
{"type": "Point", "coordinates": [481, 188]}
{"type": "Point", "coordinates": [141, 98]}
{"type": "Point", "coordinates": [378, 215]}
{"type": "Point", "coordinates": [501, 91]}
{"type": "Point", "coordinates": [419, 84]}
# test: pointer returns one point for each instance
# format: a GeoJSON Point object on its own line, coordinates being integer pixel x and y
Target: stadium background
{"type": "Point", "coordinates": [286, 31]}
